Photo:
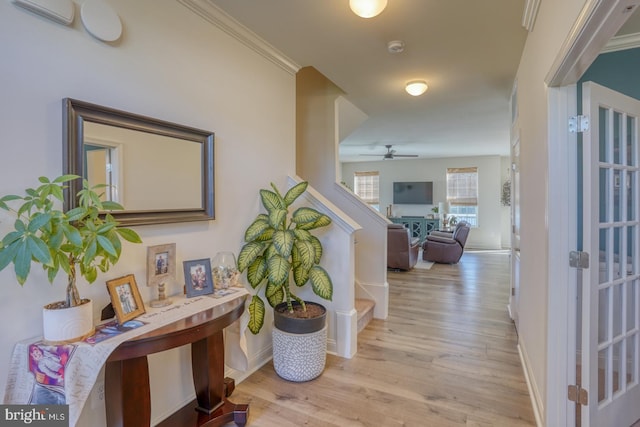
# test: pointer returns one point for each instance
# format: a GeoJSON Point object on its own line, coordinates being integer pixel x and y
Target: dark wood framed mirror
{"type": "Point", "coordinates": [161, 172]}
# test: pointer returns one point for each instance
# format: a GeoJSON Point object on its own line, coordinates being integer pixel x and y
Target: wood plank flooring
{"type": "Point", "coordinates": [445, 356]}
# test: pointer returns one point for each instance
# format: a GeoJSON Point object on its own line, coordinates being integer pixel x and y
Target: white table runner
{"type": "Point", "coordinates": [83, 362]}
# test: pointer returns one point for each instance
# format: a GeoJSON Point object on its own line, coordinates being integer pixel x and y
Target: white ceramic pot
{"type": "Point", "coordinates": [62, 325]}
{"type": "Point", "coordinates": [299, 357]}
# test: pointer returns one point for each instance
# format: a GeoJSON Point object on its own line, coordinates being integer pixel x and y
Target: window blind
{"type": "Point", "coordinates": [367, 186]}
{"type": "Point", "coordinates": [462, 186]}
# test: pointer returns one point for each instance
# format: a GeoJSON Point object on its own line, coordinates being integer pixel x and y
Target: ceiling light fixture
{"type": "Point", "coordinates": [416, 87]}
{"type": "Point", "coordinates": [367, 8]}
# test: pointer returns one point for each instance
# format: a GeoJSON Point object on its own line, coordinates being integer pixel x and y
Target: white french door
{"type": "Point", "coordinates": [611, 288]}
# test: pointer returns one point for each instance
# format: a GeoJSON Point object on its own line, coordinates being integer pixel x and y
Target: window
{"type": "Point", "coordinates": [462, 194]}
{"type": "Point", "coordinates": [367, 187]}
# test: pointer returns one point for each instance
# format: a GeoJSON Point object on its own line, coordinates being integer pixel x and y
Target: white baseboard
{"type": "Point", "coordinates": [332, 347]}
{"type": "Point", "coordinates": [256, 362]}
{"type": "Point", "coordinates": [534, 393]}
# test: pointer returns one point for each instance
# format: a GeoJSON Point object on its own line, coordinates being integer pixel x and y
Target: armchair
{"type": "Point", "coordinates": [402, 249]}
{"type": "Point", "coordinates": [446, 248]}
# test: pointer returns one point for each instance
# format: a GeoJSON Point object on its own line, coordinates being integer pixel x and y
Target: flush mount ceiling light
{"type": "Point", "coordinates": [367, 8]}
{"type": "Point", "coordinates": [416, 87]}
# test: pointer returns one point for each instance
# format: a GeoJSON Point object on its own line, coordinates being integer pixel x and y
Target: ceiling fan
{"type": "Point", "coordinates": [391, 154]}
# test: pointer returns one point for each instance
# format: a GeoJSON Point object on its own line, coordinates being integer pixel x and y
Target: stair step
{"type": "Point", "coordinates": [364, 307]}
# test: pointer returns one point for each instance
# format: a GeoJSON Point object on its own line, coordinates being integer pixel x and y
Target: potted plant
{"type": "Point", "coordinates": [279, 253]}
{"type": "Point", "coordinates": [82, 237]}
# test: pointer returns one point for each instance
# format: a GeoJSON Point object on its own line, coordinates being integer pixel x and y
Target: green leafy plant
{"type": "Point", "coordinates": [505, 195]}
{"type": "Point", "coordinates": [58, 240]}
{"type": "Point", "coordinates": [280, 250]}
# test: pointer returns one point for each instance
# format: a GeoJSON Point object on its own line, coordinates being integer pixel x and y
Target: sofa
{"type": "Point", "coordinates": [402, 249]}
{"type": "Point", "coordinates": [446, 248]}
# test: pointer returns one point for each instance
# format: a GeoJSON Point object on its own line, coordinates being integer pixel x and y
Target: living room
{"type": "Point", "coordinates": [493, 230]}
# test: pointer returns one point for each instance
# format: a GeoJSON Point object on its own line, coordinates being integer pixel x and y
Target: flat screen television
{"type": "Point", "coordinates": [413, 193]}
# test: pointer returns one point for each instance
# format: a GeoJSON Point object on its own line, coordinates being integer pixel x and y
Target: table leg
{"type": "Point", "coordinates": [207, 362]}
{"type": "Point", "coordinates": [127, 394]}
{"type": "Point", "coordinates": [212, 388]}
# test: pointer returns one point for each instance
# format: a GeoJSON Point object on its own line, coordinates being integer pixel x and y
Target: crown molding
{"type": "Point", "coordinates": [220, 19]}
{"type": "Point", "coordinates": [629, 41]}
{"type": "Point", "coordinates": [529, 14]}
{"type": "Point", "coordinates": [596, 24]}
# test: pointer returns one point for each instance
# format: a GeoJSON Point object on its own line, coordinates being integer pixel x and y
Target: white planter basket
{"type": "Point", "coordinates": [299, 357]}
{"type": "Point", "coordinates": [62, 325]}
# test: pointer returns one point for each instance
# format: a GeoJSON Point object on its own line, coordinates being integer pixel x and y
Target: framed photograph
{"type": "Point", "coordinates": [125, 298]}
{"type": "Point", "coordinates": [197, 277]}
{"type": "Point", "coordinates": [161, 263]}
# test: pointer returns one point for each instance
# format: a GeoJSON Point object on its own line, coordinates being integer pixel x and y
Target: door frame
{"type": "Point", "coordinates": [561, 213]}
{"type": "Point", "coordinates": [595, 26]}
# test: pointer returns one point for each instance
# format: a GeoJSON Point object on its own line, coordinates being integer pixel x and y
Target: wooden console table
{"type": "Point", "coordinates": [127, 393]}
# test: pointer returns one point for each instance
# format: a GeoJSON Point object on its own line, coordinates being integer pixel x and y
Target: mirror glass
{"type": "Point", "coordinates": [159, 171]}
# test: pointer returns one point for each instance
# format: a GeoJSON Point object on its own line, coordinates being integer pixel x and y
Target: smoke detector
{"type": "Point", "coordinates": [395, 46]}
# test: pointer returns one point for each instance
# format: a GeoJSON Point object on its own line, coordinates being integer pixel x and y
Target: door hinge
{"type": "Point", "coordinates": [578, 124]}
{"type": "Point", "coordinates": [578, 394]}
{"type": "Point", "coordinates": [513, 292]}
{"type": "Point", "coordinates": [578, 259]}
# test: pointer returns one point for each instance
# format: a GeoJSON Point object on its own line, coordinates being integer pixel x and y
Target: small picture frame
{"type": "Point", "coordinates": [197, 277]}
{"type": "Point", "coordinates": [125, 298]}
{"type": "Point", "coordinates": [161, 263]}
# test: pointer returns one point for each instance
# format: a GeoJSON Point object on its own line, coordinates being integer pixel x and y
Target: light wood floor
{"type": "Point", "coordinates": [445, 356]}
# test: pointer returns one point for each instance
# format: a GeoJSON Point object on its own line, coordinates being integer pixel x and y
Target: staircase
{"type": "Point", "coordinates": [364, 307]}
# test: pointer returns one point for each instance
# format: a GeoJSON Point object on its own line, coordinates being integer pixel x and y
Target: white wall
{"type": "Point", "coordinates": [172, 65]}
{"type": "Point", "coordinates": [488, 234]}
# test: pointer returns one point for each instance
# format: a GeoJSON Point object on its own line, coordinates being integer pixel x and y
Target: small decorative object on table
{"type": "Point", "coordinates": [125, 298]}
{"type": "Point", "coordinates": [197, 277]}
{"type": "Point", "coordinates": [161, 266]}
{"type": "Point", "coordinates": [225, 270]}
{"type": "Point", "coordinates": [445, 221]}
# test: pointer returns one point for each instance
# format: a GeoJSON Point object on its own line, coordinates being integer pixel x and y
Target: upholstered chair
{"type": "Point", "coordinates": [402, 249]}
{"type": "Point", "coordinates": [446, 248]}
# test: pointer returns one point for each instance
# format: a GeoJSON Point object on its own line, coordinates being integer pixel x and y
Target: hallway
{"type": "Point", "coordinates": [446, 356]}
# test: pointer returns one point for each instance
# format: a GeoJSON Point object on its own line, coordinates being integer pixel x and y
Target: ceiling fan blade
{"type": "Point", "coordinates": [390, 154]}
